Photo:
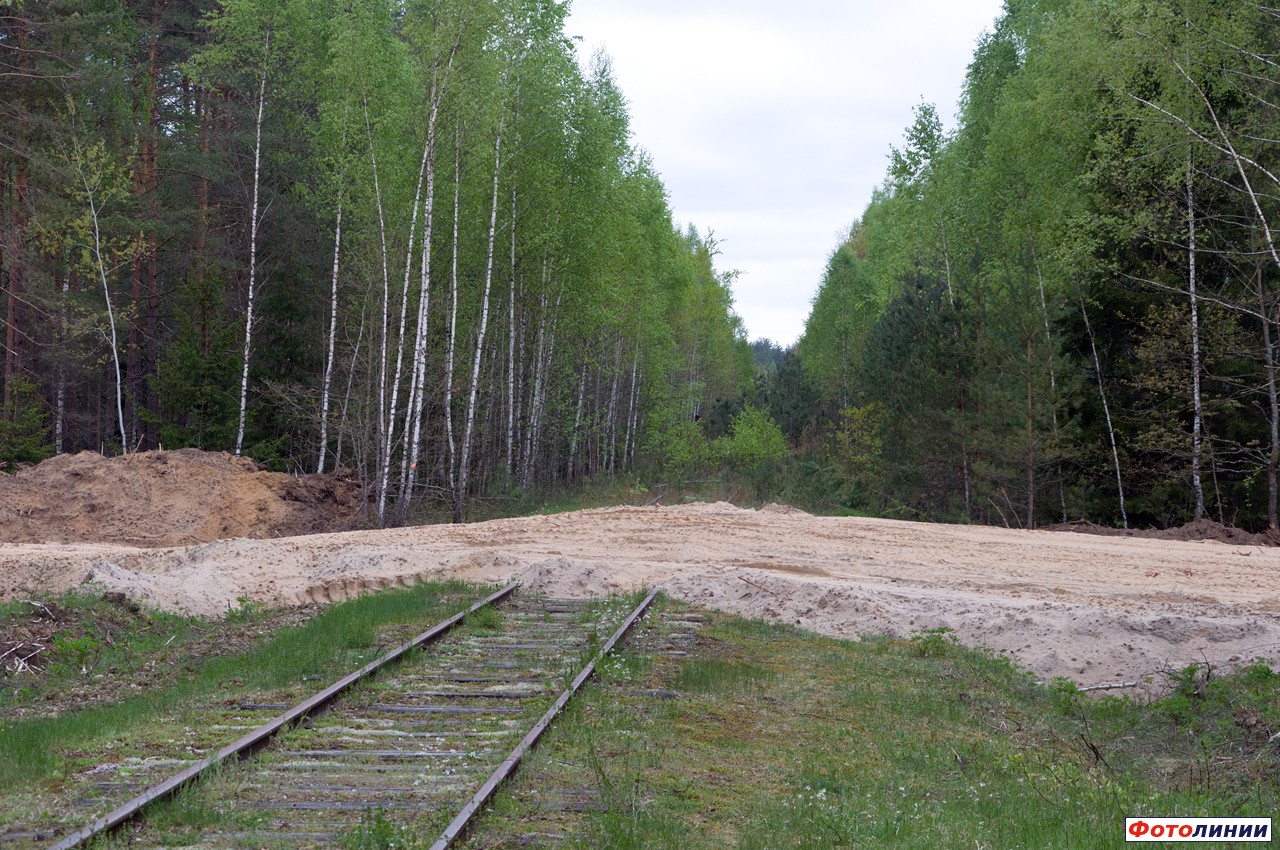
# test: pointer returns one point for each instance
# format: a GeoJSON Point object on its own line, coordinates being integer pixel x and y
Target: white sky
{"type": "Point", "coordinates": [771, 122]}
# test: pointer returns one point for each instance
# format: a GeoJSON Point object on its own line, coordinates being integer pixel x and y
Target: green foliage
{"type": "Point", "coordinates": [754, 439]}
{"type": "Point", "coordinates": [195, 380]}
{"type": "Point", "coordinates": [719, 676]}
{"type": "Point", "coordinates": [356, 132]}
{"type": "Point", "coordinates": [24, 432]}
{"type": "Point", "coordinates": [338, 638]}
{"type": "Point", "coordinates": [487, 618]}
{"type": "Point", "coordinates": [777, 737]}
{"type": "Point", "coordinates": [376, 831]}
{"type": "Point", "coordinates": [932, 643]}
{"type": "Point", "coordinates": [956, 302]}
{"type": "Point", "coordinates": [676, 443]}
{"type": "Point", "coordinates": [856, 440]}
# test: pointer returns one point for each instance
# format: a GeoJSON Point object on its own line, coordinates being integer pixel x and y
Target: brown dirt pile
{"type": "Point", "coordinates": [178, 498]}
{"type": "Point", "coordinates": [1201, 529]}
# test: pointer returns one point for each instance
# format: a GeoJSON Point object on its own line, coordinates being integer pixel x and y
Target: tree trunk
{"type": "Point", "coordinates": [14, 336]}
{"type": "Point", "coordinates": [1031, 440]}
{"type": "Point", "coordinates": [577, 419]}
{"type": "Point", "coordinates": [346, 398]}
{"type": "Point", "coordinates": [537, 405]}
{"type": "Point", "coordinates": [612, 442]}
{"type": "Point", "coordinates": [389, 413]}
{"type": "Point", "coordinates": [253, 248]}
{"type": "Point", "coordinates": [333, 336]}
{"type": "Point", "coordinates": [106, 294]}
{"type": "Point", "coordinates": [1273, 403]}
{"type": "Point", "coordinates": [417, 388]}
{"type": "Point", "coordinates": [631, 409]}
{"type": "Point", "coordinates": [59, 428]}
{"type": "Point", "coordinates": [511, 335]}
{"type": "Point", "coordinates": [1053, 370]}
{"type": "Point", "coordinates": [526, 474]}
{"type": "Point", "coordinates": [452, 336]}
{"type": "Point", "coordinates": [1197, 411]}
{"type": "Point", "coordinates": [460, 493]}
{"type": "Point", "coordinates": [1106, 410]}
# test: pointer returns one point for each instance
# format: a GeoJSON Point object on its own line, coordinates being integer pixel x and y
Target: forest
{"type": "Point", "coordinates": [416, 242]}
{"type": "Point", "coordinates": [413, 240]}
{"type": "Point", "coordinates": [1066, 307]}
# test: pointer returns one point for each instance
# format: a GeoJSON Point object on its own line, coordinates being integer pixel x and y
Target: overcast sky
{"type": "Point", "coordinates": [771, 122]}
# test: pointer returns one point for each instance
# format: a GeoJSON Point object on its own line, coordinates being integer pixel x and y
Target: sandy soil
{"type": "Point", "coordinates": [1093, 608]}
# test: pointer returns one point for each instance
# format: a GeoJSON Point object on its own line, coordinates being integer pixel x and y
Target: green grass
{"type": "Point", "coordinates": [298, 660]}
{"type": "Point", "coordinates": [93, 635]}
{"type": "Point", "coordinates": [774, 738]}
{"type": "Point", "coordinates": [783, 739]}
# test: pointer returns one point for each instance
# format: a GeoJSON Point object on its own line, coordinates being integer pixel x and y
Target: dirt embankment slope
{"type": "Point", "coordinates": [1093, 608]}
{"type": "Point", "coordinates": [167, 499]}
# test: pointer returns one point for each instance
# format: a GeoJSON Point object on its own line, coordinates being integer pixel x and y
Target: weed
{"type": "Point", "coordinates": [334, 640]}
{"type": "Point", "coordinates": [246, 610]}
{"type": "Point", "coordinates": [488, 619]}
{"type": "Point", "coordinates": [378, 832]}
{"type": "Point", "coordinates": [794, 740]}
{"type": "Point", "coordinates": [76, 651]}
{"type": "Point", "coordinates": [933, 643]}
{"type": "Point", "coordinates": [721, 676]}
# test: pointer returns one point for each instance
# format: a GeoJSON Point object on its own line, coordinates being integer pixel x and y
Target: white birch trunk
{"type": "Point", "coordinates": [253, 249]}
{"type": "Point", "coordinates": [539, 347]}
{"type": "Point", "coordinates": [460, 494]}
{"type": "Point", "coordinates": [540, 393]}
{"type": "Point", "coordinates": [577, 419]}
{"type": "Point", "coordinates": [333, 336]}
{"type": "Point", "coordinates": [511, 340]}
{"type": "Point", "coordinates": [631, 408]}
{"type": "Point", "coordinates": [383, 435]}
{"type": "Point", "coordinates": [111, 316]}
{"type": "Point", "coordinates": [346, 398]}
{"type": "Point", "coordinates": [1197, 411]}
{"type": "Point", "coordinates": [1106, 410]}
{"type": "Point", "coordinates": [417, 401]}
{"type": "Point", "coordinates": [612, 441]}
{"type": "Point", "coordinates": [635, 421]}
{"type": "Point", "coordinates": [451, 341]}
{"type": "Point", "coordinates": [390, 411]}
{"type": "Point", "coordinates": [1273, 401]}
{"type": "Point", "coordinates": [1053, 371]}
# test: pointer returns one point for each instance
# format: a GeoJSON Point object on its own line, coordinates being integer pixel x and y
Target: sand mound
{"type": "Point", "coordinates": [167, 499]}
{"type": "Point", "coordinates": [1097, 609]}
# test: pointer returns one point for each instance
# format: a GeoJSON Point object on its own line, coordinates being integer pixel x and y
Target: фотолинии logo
{"type": "Point", "coordinates": [1252, 830]}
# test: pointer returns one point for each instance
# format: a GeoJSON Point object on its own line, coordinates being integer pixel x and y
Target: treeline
{"type": "Point", "coordinates": [1068, 307]}
{"type": "Point", "coordinates": [413, 239]}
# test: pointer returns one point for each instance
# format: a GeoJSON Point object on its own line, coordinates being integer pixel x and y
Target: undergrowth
{"type": "Point", "coordinates": [779, 738]}
{"type": "Point", "coordinates": [337, 638]}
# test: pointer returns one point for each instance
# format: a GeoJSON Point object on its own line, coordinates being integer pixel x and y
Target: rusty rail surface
{"type": "Point", "coordinates": [261, 736]}
{"type": "Point", "coordinates": [462, 821]}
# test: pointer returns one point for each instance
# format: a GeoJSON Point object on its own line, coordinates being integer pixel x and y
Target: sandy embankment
{"type": "Point", "coordinates": [1095, 609]}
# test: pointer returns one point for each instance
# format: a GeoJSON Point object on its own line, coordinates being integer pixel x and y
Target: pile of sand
{"type": "Point", "coordinates": [1091, 608]}
{"type": "Point", "coordinates": [167, 499]}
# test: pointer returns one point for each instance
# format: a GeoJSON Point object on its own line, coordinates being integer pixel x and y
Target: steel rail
{"type": "Point", "coordinates": [462, 821]}
{"type": "Point", "coordinates": [261, 736]}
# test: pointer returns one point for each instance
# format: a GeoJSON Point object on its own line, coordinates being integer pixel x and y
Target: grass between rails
{"type": "Point", "coordinates": [781, 739]}
{"type": "Point", "coordinates": [44, 753]}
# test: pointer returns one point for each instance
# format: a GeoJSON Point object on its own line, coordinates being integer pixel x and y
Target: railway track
{"type": "Point", "coordinates": [415, 743]}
